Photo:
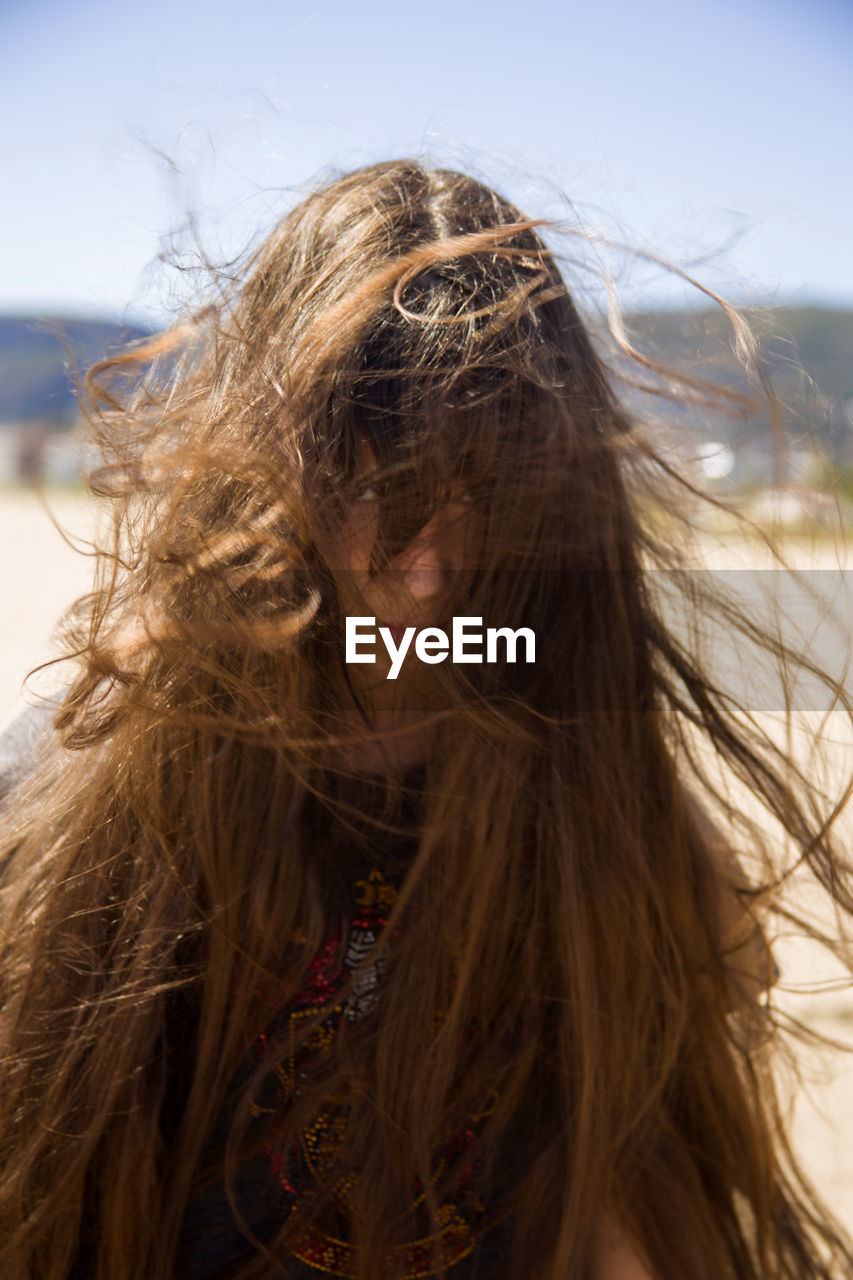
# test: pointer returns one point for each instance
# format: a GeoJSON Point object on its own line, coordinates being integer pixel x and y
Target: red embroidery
{"type": "Point", "coordinates": [307, 1161]}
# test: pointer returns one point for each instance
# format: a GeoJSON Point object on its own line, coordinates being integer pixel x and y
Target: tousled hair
{"type": "Point", "coordinates": [566, 956]}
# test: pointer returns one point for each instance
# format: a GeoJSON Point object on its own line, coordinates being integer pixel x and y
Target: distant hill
{"type": "Point", "coordinates": [807, 351]}
{"type": "Point", "coordinates": [824, 346]}
{"type": "Point", "coordinates": [35, 370]}
{"type": "Point", "coordinates": [36, 382]}
{"type": "Point", "coordinates": [816, 339]}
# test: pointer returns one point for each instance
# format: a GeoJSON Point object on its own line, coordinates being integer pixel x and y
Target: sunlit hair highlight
{"type": "Point", "coordinates": [572, 957]}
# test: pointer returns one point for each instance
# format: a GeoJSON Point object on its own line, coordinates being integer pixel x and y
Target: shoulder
{"type": "Point", "coordinates": [21, 745]}
{"type": "Point", "coordinates": [740, 924]}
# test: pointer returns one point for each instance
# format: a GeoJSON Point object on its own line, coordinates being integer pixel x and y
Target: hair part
{"type": "Point", "coordinates": [561, 975]}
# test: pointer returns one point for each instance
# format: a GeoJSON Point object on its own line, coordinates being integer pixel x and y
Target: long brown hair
{"type": "Point", "coordinates": [562, 955]}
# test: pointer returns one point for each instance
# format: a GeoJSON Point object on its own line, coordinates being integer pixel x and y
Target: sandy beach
{"type": "Point", "coordinates": [40, 574]}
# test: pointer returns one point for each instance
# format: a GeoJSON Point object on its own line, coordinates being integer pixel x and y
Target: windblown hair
{"type": "Point", "coordinates": [564, 958]}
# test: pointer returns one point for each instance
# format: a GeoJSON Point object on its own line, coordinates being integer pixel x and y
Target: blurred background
{"type": "Point", "coordinates": [141, 141]}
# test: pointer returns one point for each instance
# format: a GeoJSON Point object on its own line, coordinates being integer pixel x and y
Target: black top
{"type": "Point", "coordinates": [367, 873]}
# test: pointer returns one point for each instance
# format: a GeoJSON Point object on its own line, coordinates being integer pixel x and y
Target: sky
{"type": "Point", "coordinates": [718, 133]}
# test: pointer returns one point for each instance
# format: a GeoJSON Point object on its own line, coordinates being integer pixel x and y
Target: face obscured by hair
{"type": "Point", "coordinates": [414, 587]}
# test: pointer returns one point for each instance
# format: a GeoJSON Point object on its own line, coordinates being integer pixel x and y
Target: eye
{"type": "Point", "coordinates": [370, 493]}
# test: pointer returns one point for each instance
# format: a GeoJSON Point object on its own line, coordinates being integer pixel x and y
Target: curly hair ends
{"type": "Point", "coordinates": [572, 967]}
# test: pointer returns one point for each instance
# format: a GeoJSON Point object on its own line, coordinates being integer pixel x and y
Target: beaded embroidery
{"type": "Point", "coordinates": [308, 1160]}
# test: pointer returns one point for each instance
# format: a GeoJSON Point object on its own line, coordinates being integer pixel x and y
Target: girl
{"type": "Point", "coordinates": [417, 966]}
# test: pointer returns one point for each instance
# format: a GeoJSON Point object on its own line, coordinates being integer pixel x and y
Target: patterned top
{"type": "Point", "coordinates": [267, 1188]}
{"type": "Point", "coordinates": [270, 1188]}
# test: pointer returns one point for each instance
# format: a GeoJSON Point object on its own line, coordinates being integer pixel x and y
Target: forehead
{"type": "Point", "coordinates": [428, 453]}
{"type": "Point", "coordinates": [365, 458]}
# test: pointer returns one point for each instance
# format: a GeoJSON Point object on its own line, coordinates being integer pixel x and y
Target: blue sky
{"type": "Point", "coordinates": [681, 124]}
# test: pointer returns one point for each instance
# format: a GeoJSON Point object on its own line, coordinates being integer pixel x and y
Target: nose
{"type": "Point", "coordinates": [424, 567]}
